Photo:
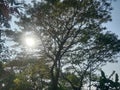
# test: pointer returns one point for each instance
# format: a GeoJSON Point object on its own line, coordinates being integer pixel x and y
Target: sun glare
{"type": "Point", "coordinates": [30, 42]}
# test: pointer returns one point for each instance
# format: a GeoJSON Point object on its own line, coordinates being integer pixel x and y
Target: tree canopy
{"type": "Point", "coordinates": [71, 33]}
{"type": "Point", "coordinates": [71, 44]}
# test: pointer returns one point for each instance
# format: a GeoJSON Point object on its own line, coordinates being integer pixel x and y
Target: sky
{"type": "Point", "coordinates": [114, 27]}
{"type": "Point", "coordinates": [115, 24]}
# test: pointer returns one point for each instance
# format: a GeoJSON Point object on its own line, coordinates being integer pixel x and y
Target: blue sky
{"type": "Point", "coordinates": [114, 27]}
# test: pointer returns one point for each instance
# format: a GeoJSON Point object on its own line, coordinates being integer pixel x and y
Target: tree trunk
{"type": "Point", "coordinates": [54, 81]}
{"type": "Point", "coordinates": [55, 71]}
{"type": "Point", "coordinates": [54, 84]}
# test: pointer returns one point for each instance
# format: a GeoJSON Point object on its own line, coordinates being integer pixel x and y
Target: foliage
{"type": "Point", "coordinates": [71, 45]}
{"type": "Point", "coordinates": [29, 74]}
{"type": "Point", "coordinates": [108, 84]}
{"type": "Point", "coordinates": [6, 78]}
{"type": "Point", "coordinates": [6, 8]}
{"type": "Point", "coordinates": [71, 34]}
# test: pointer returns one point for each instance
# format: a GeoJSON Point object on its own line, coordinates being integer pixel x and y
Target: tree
{"type": "Point", "coordinates": [6, 78]}
{"type": "Point", "coordinates": [108, 84]}
{"type": "Point", "coordinates": [72, 28]}
{"type": "Point", "coordinates": [29, 74]}
{"type": "Point", "coordinates": [90, 57]}
{"type": "Point", "coordinates": [8, 8]}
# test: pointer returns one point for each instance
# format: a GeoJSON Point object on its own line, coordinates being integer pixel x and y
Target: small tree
{"type": "Point", "coordinates": [105, 83]}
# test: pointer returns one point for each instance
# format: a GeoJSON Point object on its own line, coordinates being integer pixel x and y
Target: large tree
{"type": "Point", "coordinates": [71, 33]}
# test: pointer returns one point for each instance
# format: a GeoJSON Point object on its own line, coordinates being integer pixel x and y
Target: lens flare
{"type": "Point", "coordinates": [30, 42]}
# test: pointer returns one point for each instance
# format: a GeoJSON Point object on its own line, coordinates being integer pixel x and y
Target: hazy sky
{"type": "Point", "coordinates": [114, 26]}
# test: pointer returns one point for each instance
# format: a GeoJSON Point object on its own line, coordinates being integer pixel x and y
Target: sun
{"type": "Point", "coordinates": [29, 41]}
